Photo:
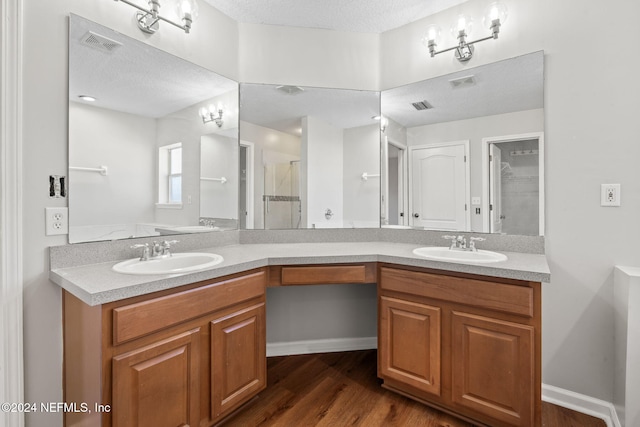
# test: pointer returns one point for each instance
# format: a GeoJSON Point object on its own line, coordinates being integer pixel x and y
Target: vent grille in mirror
{"type": "Point", "coordinates": [99, 42]}
{"type": "Point", "coordinates": [422, 105]}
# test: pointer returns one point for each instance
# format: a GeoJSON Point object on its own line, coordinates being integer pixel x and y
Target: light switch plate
{"type": "Point", "coordinates": [475, 201]}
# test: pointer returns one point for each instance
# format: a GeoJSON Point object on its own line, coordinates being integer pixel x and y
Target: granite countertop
{"type": "Point", "coordinates": [97, 283]}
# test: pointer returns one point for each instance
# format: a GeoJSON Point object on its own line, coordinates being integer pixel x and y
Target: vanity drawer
{"type": "Point", "coordinates": [142, 318]}
{"type": "Point", "coordinates": [512, 299]}
{"type": "Point", "coordinates": [323, 274]}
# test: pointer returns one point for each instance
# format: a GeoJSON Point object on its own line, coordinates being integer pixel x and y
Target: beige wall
{"type": "Point", "coordinates": [591, 138]}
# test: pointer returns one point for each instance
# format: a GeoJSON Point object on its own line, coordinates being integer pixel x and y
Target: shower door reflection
{"type": "Point", "coordinates": [281, 200]}
{"type": "Point", "coordinates": [514, 190]}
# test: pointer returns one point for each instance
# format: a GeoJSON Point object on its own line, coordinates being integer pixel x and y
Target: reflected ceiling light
{"type": "Point", "coordinates": [212, 114]}
{"type": "Point", "coordinates": [149, 19]}
{"type": "Point", "coordinates": [495, 15]}
{"type": "Point", "coordinates": [87, 98]}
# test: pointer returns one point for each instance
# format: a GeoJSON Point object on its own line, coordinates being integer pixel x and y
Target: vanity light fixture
{"type": "Point", "coordinates": [495, 15]}
{"type": "Point", "coordinates": [149, 19]}
{"type": "Point", "coordinates": [212, 114]}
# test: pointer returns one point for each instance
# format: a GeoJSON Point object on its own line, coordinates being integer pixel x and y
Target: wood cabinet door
{"type": "Point", "coordinates": [493, 368]}
{"type": "Point", "coordinates": [409, 343]}
{"type": "Point", "coordinates": [238, 358]}
{"type": "Point", "coordinates": [158, 385]}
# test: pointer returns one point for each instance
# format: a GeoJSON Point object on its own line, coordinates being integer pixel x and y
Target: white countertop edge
{"type": "Point", "coordinates": [93, 284]}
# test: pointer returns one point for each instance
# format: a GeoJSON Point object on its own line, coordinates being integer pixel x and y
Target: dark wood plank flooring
{"type": "Point", "coordinates": [342, 389]}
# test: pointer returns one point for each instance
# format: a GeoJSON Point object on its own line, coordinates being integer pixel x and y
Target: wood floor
{"type": "Point", "coordinates": [341, 389]}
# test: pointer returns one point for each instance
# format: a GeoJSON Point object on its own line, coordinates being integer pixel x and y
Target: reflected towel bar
{"type": "Point", "coordinates": [365, 176]}
{"type": "Point", "coordinates": [221, 180]}
{"type": "Point", "coordinates": [102, 170]}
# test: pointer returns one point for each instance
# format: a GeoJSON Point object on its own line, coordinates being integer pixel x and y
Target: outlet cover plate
{"type": "Point", "coordinates": [610, 195]}
{"type": "Point", "coordinates": [56, 221]}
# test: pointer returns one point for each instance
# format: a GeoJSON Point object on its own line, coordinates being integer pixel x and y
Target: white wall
{"type": "Point", "coordinates": [591, 131]}
{"type": "Point", "coordinates": [44, 145]}
{"type": "Point", "coordinates": [474, 130]}
{"type": "Point", "coordinates": [123, 142]}
{"type": "Point", "coordinates": [321, 174]}
{"type": "Point", "coordinates": [361, 198]}
{"type": "Point", "coordinates": [309, 57]}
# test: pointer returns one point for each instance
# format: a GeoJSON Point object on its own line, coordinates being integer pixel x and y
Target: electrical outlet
{"type": "Point", "coordinates": [610, 195]}
{"type": "Point", "coordinates": [56, 221]}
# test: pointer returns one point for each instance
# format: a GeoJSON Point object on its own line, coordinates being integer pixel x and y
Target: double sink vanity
{"type": "Point", "coordinates": [190, 348]}
{"type": "Point", "coordinates": [175, 333]}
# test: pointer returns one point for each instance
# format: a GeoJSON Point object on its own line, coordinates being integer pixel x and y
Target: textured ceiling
{"type": "Point", "coordinates": [136, 78]}
{"type": "Point", "coordinates": [266, 106]}
{"type": "Point", "coordinates": [361, 16]}
{"type": "Point", "coordinates": [507, 86]}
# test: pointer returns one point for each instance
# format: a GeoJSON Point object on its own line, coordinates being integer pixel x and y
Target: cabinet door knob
{"type": "Point", "coordinates": [416, 215]}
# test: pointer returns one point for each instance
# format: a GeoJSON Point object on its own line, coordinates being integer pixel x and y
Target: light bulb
{"type": "Point", "coordinates": [462, 23]}
{"type": "Point", "coordinates": [495, 10]}
{"type": "Point", "coordinates": [432, 34]}
{"type": "Point", "coordinates": [187, 9]}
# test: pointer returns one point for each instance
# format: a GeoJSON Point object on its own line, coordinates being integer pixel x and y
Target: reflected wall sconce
{"type": "Point", "coordinates": [149, 19]}
{"type": "Point", "coordinates": [212, 114]}
{"type": "Point", "coordinates": [495, 15]}
{"type": "Point", "coordinates": [383, 122]}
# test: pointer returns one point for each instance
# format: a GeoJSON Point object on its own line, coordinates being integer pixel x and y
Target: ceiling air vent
{"type": "Point", "coordinates": [99, 42]}
{"type": "Point", "coordinates": [463, 82]}
{"type": "Point", "coordinates": [421, 105]}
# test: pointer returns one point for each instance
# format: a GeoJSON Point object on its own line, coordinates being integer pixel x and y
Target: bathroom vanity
{"type": "Point", "coordinates": [190, 349]}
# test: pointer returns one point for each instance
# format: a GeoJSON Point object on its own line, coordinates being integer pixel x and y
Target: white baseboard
{"type": "Point", "coordinates": [581, 403]}
{"type": "Point", "coordinates": [321, 346]}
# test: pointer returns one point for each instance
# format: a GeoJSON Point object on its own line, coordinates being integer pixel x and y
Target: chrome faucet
{"type": "Point", "coordinates": [156, 250]}
{"type": "Point", "coordinates": [459, 243]}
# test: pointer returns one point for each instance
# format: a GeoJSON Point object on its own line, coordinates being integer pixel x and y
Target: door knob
{"type": "Point", "coordinates": [416, 215]}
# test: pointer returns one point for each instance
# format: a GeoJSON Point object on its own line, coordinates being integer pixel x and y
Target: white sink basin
{"type": "Point", "coordinates": [440, 253]}
{"type": "Point", "coordinates": [175, 264]}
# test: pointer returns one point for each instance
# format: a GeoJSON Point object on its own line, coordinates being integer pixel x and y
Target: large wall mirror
{"type": "Point", "coordinates": [465, 151]}
{"type": "Point", "coordinates": [150, 152]}
{"type": "Point", "coordinates": [310, 157]}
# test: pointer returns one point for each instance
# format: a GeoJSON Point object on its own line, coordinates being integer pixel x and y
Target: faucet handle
{"type": "Point", "coordinates": [166, 246]}
{"type": "Point", "coordinates": [473, 240]}
{"type": "Point", "coordinates": [145, 250]}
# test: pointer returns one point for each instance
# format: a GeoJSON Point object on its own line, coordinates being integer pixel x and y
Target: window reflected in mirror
{"type": "Point", "coordinates": [138, 111]}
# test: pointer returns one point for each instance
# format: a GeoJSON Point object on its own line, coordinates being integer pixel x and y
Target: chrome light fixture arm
{"type": "Point", "coordinates": [210, 116]}
{"type": "Point", "coordinates": [464, 49]}
{"type": "Point", "coordinates": [148, 19]}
